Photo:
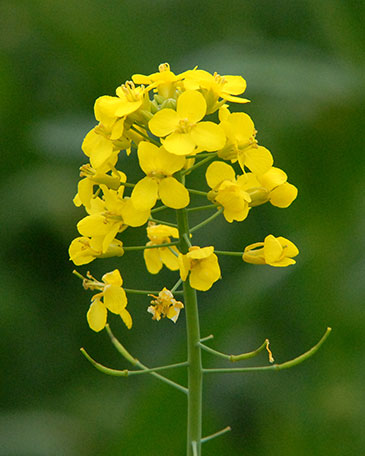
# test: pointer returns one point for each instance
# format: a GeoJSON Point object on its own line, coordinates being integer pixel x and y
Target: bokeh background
{"type": "Point", "coordinates": [304, 64]}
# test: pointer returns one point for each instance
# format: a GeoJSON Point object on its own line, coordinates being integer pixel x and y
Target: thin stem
{"type": "Point", "coordinates": [286, 365]}
{"type": "Point", "coordinates": [216, 434]}
{"type": "Point", "coordinates": [201, 162]}
{"type": "Point", "coordinates": [207, 338]}
{"type": "Point", "coordinates": [201, 208]}
{"type": "Point", "coordinates": [126, 372]}
{"type": "Point", "coordinates": [222, 252]}
{"type": "Point", "coordinates": [196, 192]}
{"type": "Point", "coordinates": [124, 352]}
{"type": "Point", "coordinates": [195, 376]}
{"type": "Point", "coordinates": [146, 292]}
{"type": "Point", "coordinates": [152, 246]}
{"type": "Point", "coordinates": [175, 287]}
{"type": "Point", "coordinates": [128, 184]}
{"type": "Point", "coordinates": [163, 222]}
{"type": "Point", "coordinates": [206, 221]}
{"type": "Point", "coordinates": [235, 358]}
{"type": "Point", "coordinates": [153, 141]}
{"type": "Point", "coordinates": [158, 209]}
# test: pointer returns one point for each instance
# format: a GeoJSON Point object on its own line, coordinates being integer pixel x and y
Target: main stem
{"type": "Point", "coordinates": [195, 372]}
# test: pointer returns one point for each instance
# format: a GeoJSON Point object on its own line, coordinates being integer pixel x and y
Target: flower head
{"type": "Point", "coordinates": [202, 264]}
{"type": "Point", "coordinates": [183, 130]}
{"type": "Point", "coordinates": [274, 251]}
{"type": "Point", "coordinates": [156, 257]}
{"type": "Point", "coordinates": [112, 297]}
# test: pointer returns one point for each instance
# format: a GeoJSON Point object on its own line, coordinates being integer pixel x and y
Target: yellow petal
{"type": "Point", "coordinates": [235, 85]}
{"type": "Point", "coordinates": [289, 247]}
{"type": "Point", "coordinates": [164, 122]}
{"type": "Point", "coordinates": [133, 216]}
{"type": "Point", "coordinates": [97, 315]}
{"type": "Point", "coordinates": [115, 298]}
{"type": "Point", "coordinates": [197, 253]}
{"type": "Point", "coordinates": [152, 260]}
{"type": "Point", "coordinates": [80, 251]}
{"type": "Point", "coordinates": [205, 273]}
{"type": "Point", "coordinates": [144, 194]}
{"type": "Point", "coordinates": [191, 105]}
{"type": "Point", "coordinates": [257, 159]}
{"type": "Point", "coordinates": [168, 258]}
{"type": "Point", "coordinates": [118, 128]}
{"type": "Point", "coordinates": [184, 266]}
{"type": "Point", "coordinates": [98, 148]}
{"type": "Point", "coordinates": [272, 249]}
{"type": "Point", "coordinates": [217, 172]}
{"type": "Point", "coordinates": [209, 136]}
{"type": "Point", "coordinates": [173, 193]}
{"type": "Point", "coordinates": [273, 178]}
{"type": "Point", "coordinates": [179, 144]}
{"type": "Point", "coordinates": [283, 195]}
{"type": "Point", "coordinates": [147, 156]}
{"type": "Point", "coordinates": [93, 225]}
{"type": "Point", "coordinates": [126, 317]}
{"type": "Point", "coordinates": [113, 278]}
{"type": "Point", "coordinates": [85, 191]}
{"type": "Point", "coordinates": [168, 163]}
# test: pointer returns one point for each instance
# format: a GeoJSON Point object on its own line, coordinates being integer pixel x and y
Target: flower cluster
{"type": "Point", "coordinates": [172, 124]}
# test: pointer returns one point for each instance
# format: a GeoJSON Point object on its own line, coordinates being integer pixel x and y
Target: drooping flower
{"type": "Point", "coordinates": [165, 305]}
{"type": "Point", "coordinates": [156, 257]}
{"type": "Point", "coordinates": [274, 251]}
{"type": "Point", "coordinates": [84, 250]}
{"type": "Point", "coordinates": [203, 266]}
{"type": "Point", "coordinates": [159, 166]}
{"type": "Point", "coordinates": [112, 297]}
{"type": "Point", "coordinates": [183, 130]}
{"type": "Point", "coordinates": [227, 191]}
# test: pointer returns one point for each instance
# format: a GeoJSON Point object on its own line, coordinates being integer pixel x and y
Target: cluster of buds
{"type": "Point", "coordinates": [162, 119]}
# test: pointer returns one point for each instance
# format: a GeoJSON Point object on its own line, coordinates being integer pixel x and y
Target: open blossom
{"type": "Point", "coordinates": [274, 251]}
{"type": "Point", "coordinates": [183, 130]}
{"type": "Point", "coordinates": [227, 191]}
{"type": "Point", "coordinates": [112, 297]}
{"type": "Point", "coordinates": [165, 305]}
{"type": "Point", "coordinates": [203, 266]}
{"type": "Point", "coordinates": [159, 166]}
{"type": "Point", "coordinates": [156, 257]}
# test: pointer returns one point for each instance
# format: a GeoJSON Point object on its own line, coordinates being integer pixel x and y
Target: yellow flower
{"type": "Point", "coordinates": [159, 166]}
{"type": "Point", "coordinates": [183, 129]}
{"type": "Point", "coordinates": [271, 186]}
{"type": "Point", "coordinates": [84, 250]}
{"type": "Point", "coordinates": [215, 87]}
{"type": "Point", "coordinates": [241, 143]}
{"type": "Point", "coordinates": [110, 216]}
{"type": "Point", "coordinates": [203, 266]}
{"type": "Point", "coordinates": [164, 305]}
{"type": "Point", "coordinates": [227, 191]}
{"type": "Point", "coordinates": [155, 258]}
{"type": "Point", "coordinates": [164, 80]}
{"type": "Point", "coordinates": [274, 251]}
{"type": "Point", "coordinates": [112, 298]}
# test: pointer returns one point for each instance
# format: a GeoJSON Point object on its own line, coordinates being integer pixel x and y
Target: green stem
{"type": "Point", "coordinates": [234, 358]}
{"type": "Point", "coordinates": [201, 208]}
{"type": "Point", "coordinates": [126, 372]}
{"type": "Point", "coordinates": [206, 221]}
{"type": "Point", "coordinates": [195, 371]}
{"type": "Point", "coordinates": [153, 141]}
{"type": "Point", "coordinates": [277, 367]}
{"type": "Point", "coordinates": [201, 162]}
{"type": "Point", "coordinates": [216, 434]}
{"type": "Point", "coordinates": [196, 192]}
{"type": "Point", "coordinates": [152, 246]}
{"type": "Point", "coordinates": [125, 353]}
{"type": "Point", "coordinates": [222, 252]}
{"type": "Point", "coordinates": [162, 222]}
{"type": "Point", "coordinates": [146, 292]}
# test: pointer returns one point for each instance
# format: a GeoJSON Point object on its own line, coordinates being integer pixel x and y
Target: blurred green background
{"type": "Point", "coordinates": [304, 65]}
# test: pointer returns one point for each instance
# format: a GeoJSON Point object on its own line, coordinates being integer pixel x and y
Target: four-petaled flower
{"type": "Point", "coordinates": [182, 128]}
{"type": "Point", "coordinates": [112, 297]}
{"type": "Point", "coordinates": [159, 166]}
{"type": "Point", "coordinates": [156, 257]}
{"type": "Point", "coordinates": [203, 266]}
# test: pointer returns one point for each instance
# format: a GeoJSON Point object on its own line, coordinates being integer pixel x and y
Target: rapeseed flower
{"type": "Point", "coordinates": [156, 257]}
{"type": "Point", "coordinates": [165, 305]}
{"type": "Point", "coordinates": [274, 251]}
